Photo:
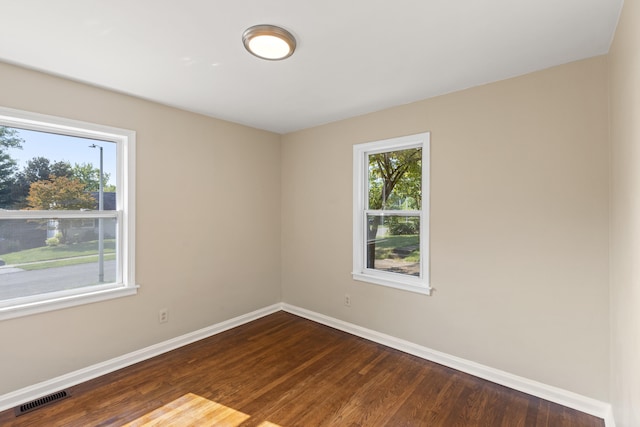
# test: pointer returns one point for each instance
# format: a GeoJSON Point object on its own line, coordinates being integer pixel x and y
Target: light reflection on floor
{"type": "Point", "coordinates": [194, 410]}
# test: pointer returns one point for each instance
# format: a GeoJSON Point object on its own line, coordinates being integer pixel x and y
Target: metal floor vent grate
{"type": "Point", "coordinates": [39, 403]}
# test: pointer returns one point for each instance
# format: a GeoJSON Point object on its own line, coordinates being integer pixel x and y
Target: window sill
{"type": "Point", "coordinates": [34, 307]}
{"type": "Point", "coordinates": [393, 283]}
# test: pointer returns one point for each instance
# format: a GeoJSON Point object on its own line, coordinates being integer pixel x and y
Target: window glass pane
{"type": "Point", "coordinates": [47, 171]}
{"type": "Point", "coordinates": [48, 255]}
{"type": "Point", "coordinates": [395, 180]}
{"type": "Point", "coordinates": [393, 244]}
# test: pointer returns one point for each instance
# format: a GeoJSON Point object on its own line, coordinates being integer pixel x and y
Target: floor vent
{"type": "Point", "coordinates": [39, 403]}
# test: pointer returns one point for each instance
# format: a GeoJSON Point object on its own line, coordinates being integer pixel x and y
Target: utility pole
{"type": "Point", "coordinates": [100, 221]}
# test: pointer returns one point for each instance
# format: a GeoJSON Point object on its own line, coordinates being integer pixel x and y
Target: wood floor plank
{"type": "Point", "coordinates": [286, 371]}
{"type": "Point", "coordinates": [310, 391]}
{"type": "Point", "coordinates": [335, 389]}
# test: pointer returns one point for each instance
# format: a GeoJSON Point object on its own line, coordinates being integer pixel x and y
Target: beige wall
{"type": "Point", "coordinates": [208, 215]}
{"type": "Point", "coordinates": [519, 226]}
{"type": "Point", "coordinates": [624, 60]}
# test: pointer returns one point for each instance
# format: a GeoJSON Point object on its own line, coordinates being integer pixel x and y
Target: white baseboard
{"type": "Point", "coordinates": [609, 420]}
{"type": "Point", "coordinates": [563, 397]}
{"type": "Point", "coordinates": [27, 394]}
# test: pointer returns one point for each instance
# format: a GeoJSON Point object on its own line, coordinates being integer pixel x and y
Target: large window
{"type": "Point", "coordinates": [391, 212]}
{"type": "Point", "coordinates": [66, 213]}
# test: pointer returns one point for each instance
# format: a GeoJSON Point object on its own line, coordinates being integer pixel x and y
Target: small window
{"type": "Point", "coordinates": [391, 213]}
{"type": "Point", "coordinates": [66, 213]}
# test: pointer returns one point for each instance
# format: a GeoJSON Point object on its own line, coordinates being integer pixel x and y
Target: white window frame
{"type": "Point", "coordinates": [125, 214]}
{"type": "Point", "coordinates": [360, 271]}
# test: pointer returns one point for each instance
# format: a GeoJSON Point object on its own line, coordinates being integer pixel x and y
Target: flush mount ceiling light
{"type": "Point", "coordinates": [269, 42]}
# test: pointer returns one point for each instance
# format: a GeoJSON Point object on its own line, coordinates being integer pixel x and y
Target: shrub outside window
{"type": "Point", "coordinates": [391, 213]}
{"type": "Point", "coordinates": [66, 213]}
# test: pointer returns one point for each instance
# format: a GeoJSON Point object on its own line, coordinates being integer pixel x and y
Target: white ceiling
{"type": "Point", "coordinates": [353, 56]}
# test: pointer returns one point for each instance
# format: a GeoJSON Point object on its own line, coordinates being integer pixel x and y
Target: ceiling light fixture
{"type": "Point", "coordinates": [269, 42]}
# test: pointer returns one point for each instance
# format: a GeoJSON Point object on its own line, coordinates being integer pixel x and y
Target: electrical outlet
{"type": "Point", "coordinates": [163, 315]}
{"type": "Point", "coordinates": [347, 300]}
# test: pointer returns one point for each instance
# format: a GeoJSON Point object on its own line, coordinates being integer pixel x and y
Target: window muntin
{"type": "Point", "coordinates": [59, 248]}
{"type": "Point", "coordinates": [391, 195]}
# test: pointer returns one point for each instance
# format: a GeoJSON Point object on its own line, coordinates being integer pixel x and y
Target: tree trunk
{"type": "Point", "coordinates": [372, 230]}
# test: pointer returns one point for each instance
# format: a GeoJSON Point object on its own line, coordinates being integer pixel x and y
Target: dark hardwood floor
{"type": "Point", "coordinates": [283, 370]}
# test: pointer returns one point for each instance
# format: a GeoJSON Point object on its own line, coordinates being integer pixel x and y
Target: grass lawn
{"type": "Point", "coordinates": [47, 253]}
{"type": "Point", "coordinates": [386, 245]}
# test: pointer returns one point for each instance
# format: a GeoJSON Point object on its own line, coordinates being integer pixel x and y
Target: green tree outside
{"type": "Point", "coordinates": [90, 177]}
{"type": "Point", "coordinates": [8, 139]}
{"type": "Point", "coordinates": [60, 193]}
{"type": "Point", "coordinates": [37, 169]}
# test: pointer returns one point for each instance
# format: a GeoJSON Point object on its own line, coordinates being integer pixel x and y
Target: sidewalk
{"type": "Point", "coordinates": [15, 268]}
{"type": "Point", "coordinates": [6, 269]}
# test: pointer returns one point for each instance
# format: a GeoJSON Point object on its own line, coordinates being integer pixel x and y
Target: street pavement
{"type": "Point", "coordinates": [15, 282]}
